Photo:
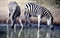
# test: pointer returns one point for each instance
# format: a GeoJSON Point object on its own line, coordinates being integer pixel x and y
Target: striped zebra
{"type": "Point", "coordinates": [14, 12]}
{"type": "Point", "coordinates": [34, 10]}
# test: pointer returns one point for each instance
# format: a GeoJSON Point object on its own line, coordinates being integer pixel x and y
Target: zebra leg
{"type": "Point", "coordinates": [39, 20]}
{"type": "Point", "coordinates": [28, 21]}
{"type": "Point", "coordinates": [20, 21]}
{"type": "Point", "coordinates": [10, 17]}
{"type": "Point", "coordinates": [48, 21]}
{"type": "Point", "coordinates": [13, 21]}
{"type": "Point", "coordinates": [50, 24]}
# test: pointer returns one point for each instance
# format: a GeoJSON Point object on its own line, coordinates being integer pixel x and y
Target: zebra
{"type": "Point", "coordinates": [32, 9]}
{"type": "Point", "coordinates": [14, 12]}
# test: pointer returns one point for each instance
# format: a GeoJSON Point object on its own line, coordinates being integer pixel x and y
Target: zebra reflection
{"type": "Point", "coordinates": [14, 12]}
{"type": "Point", "coordinates": [34, 10]}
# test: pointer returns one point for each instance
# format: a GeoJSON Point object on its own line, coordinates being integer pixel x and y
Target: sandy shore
{"type": "Point", "coordinates": [34, 20]}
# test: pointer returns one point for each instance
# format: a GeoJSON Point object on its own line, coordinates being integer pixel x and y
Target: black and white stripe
{"type": "Point", "coordinates": [32, 9]}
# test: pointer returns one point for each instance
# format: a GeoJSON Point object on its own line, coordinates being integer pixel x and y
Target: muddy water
{"type": "Point", "coordinates": [31, 32]}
